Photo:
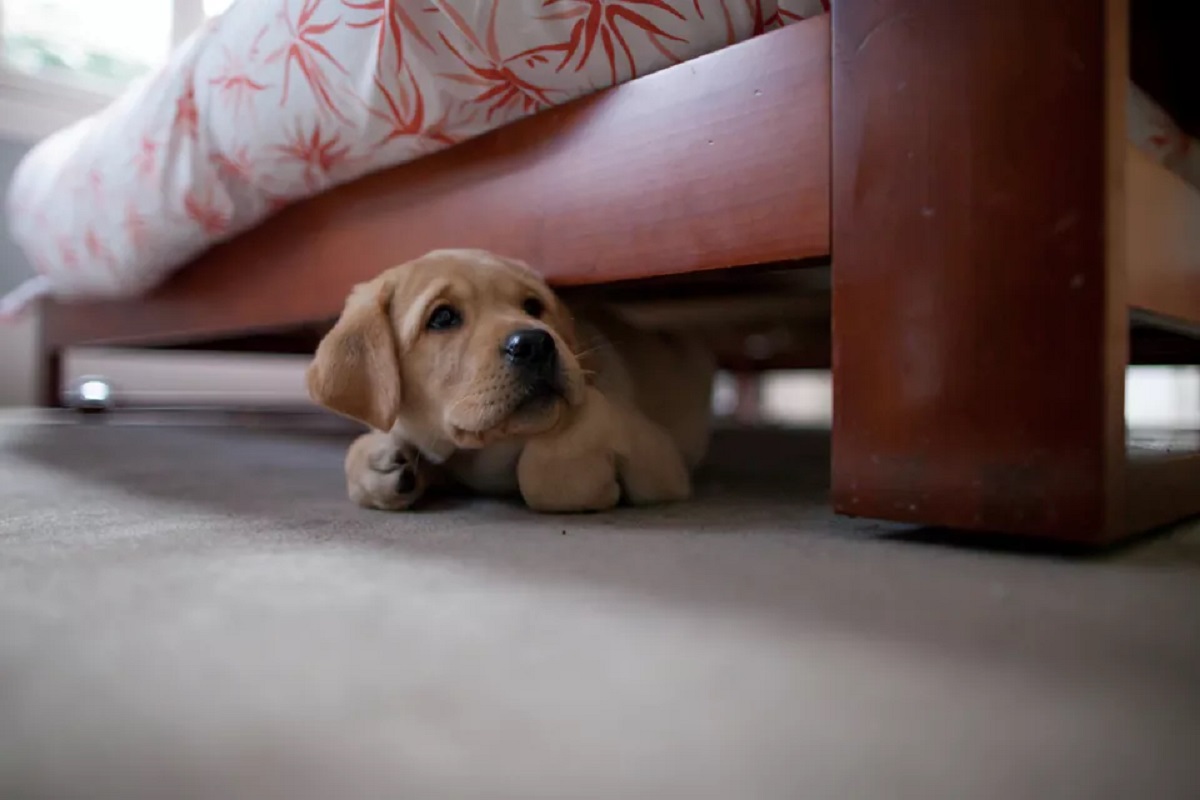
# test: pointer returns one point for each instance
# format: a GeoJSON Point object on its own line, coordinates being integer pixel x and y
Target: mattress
{"type": "Point", "coordinates": [278, 100]}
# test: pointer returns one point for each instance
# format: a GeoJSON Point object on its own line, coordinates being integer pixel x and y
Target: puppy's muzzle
{"type": "Point", "coordinates": [533, 355]}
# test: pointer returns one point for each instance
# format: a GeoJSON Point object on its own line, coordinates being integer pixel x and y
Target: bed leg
{"type": "Point", "coordinates": [748, 408]}
{"type": "Point", "coordinates": [979, 306]}
{"type": "Point", "coordinates": [49, 374]}
{"type": "Point", "coordinates": [50, 393]}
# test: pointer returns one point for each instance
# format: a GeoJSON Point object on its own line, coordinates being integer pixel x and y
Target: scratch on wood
{"type": "Point", "coordinates": [877, 27]}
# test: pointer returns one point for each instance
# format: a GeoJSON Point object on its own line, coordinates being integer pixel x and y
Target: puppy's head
{"type": "Point", "coordinates": [460, 348]}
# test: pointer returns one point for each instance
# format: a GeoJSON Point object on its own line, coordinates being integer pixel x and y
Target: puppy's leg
{"type": "Point", "coordinates": [649, 465]}
{"type": "Point", "coordinates": [606, 447]}
{"type": "Point", "coordinates": [385, 473]}
{"type": "Point", "coordinates": [572, 468]}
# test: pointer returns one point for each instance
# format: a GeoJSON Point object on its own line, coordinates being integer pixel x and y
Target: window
{"type": "Point", "coordinates": [63, 59]}
{"type": "Point", "coordinates": [214, 8]}
{"type": "Point", "coordinates": [108, 42]}
{"type": "Point", "coordinates": [99, 44]}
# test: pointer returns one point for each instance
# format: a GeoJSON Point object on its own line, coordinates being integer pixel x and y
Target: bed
{"type": "Point", "coordinates": [997, 202]}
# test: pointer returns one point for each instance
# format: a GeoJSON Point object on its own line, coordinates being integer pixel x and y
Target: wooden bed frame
{"type": "Point", "coordinates": [990, 231]}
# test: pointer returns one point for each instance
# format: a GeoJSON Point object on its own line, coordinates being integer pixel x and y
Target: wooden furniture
{"type": "Point", "coordinates": [965, 167]}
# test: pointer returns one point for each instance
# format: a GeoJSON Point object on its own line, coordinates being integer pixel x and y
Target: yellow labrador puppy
{"type": "Point", "coordinates": [470, 370]}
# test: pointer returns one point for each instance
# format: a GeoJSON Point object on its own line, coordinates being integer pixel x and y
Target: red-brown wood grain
{"type": "Point", "coordinates": [718, 162]}
{"type": "Point", "coordinates": [979, 314]}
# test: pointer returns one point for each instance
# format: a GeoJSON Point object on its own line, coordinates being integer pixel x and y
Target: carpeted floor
{"type": "Point", "coordinates": [196, 611]}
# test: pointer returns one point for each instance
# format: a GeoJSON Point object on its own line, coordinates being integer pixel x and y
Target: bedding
{"type": "Point", "coordinates": [278, 100]}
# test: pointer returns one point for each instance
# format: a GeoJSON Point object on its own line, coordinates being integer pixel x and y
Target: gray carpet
{"type": "Point", "coordinates": [196, 611]}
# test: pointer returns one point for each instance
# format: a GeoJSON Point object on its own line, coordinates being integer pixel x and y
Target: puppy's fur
{"type": "Point", "coordinates": [425, 354]}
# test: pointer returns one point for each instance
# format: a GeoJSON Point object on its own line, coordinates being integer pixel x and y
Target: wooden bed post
{"type": "Point", "coordinates": [50, 383]}
{"type": "Point", "coordinates": [979, 304]}
{"type": "Point", "coordinates": [49, 366]}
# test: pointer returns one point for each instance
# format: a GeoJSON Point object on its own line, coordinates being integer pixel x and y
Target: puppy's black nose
{"type": "Point", "coordinates": [532, 350]}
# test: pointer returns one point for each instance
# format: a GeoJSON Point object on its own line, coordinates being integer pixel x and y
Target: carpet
{"type": "Point", "coordinates": [194, 610]}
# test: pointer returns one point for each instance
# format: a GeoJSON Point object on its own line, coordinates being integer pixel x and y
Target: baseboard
{"type": "Point", "coordinates": [183, 378]}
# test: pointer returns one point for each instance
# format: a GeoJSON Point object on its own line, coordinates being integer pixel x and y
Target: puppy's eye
{"type": "Point", "coordinates": [534, 307]}
{"type": "Point", "coordinates": [444, 318]}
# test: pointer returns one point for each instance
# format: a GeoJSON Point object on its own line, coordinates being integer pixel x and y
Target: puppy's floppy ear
{"type": "Point", "coordinates": [356, 370]}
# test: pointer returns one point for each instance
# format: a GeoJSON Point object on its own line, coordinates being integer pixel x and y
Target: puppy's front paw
{"type": "Point", "coordinates": [384, 474]}
{"type": "Point", "coordinates": [554, 482]}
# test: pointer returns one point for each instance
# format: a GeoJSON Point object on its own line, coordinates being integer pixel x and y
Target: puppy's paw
{"type": "Point", "coordinates": [384, 474]}
{"type": "Point", "coordinates": [654, 472]}
{"type": "Point", "coordinates": [575, 499]}
{"type": "Point", "coordinates": [554, 482]}
{"type": "Point", "coordinates": [651, 484]}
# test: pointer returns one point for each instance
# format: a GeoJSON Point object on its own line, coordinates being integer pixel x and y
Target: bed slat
{"type": "Point", "coordinates": [1162, 215]}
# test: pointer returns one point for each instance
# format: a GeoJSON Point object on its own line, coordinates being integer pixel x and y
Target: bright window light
{"type": "Point", "coordinates": [214, 8]}
{"type": "Point", "coordinates": [113, 41]}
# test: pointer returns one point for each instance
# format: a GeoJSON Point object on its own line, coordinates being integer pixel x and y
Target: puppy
{"type": "Point", "coordinates": [471, 371]}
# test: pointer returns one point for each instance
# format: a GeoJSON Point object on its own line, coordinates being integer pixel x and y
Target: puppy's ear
{"type": "Point", "coordinates": [356, 370]}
